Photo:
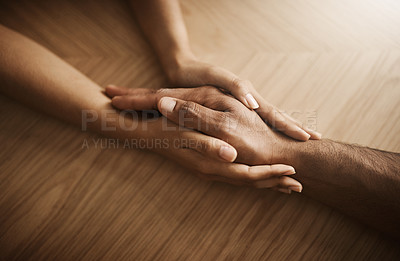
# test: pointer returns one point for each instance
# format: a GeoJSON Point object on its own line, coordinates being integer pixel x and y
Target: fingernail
{"type": "Point", "coordinates": [289, 171]}
{"type": "Point", "coordinates": [303, 131]}
{"type": "Point", "coordinates": [315, 133]}
{"type": "Point", "coordinates": [319, 135]}
{"type": "Point", "coordinates": [295, 188]}
{"type": "Point", "coordinates": [111, 85]}
{"type": "Point", "coordinates": [167, 104]}
{"type": "Point", "coordinates": [227, 153]}
{"type": "Point", "coordinates": [283, 190]}
{"type": "Point", "coordinates": [251, 101]}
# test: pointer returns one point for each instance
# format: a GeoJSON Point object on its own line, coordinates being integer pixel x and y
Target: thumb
{"type": "Point", "coordinates": [191, 115]}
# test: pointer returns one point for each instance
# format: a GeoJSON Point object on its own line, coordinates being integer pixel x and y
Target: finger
{"type": "Point", "coordinates": [204, 167]}
{"type": "Point", "coordinates": [314, 134]}
{"type": "Point", "coordinates": [243, 175]}
{"type": "Point", "coordinates": [270, 114]}
{"type": "Point", "coordinates": [283, 190]}
{"type": "Point", "coordinates": [192, 115]}
{"type": "Point", "coordinates": [112, 90]}
{"type": "Point", "coordinates": [240, 178]}
{"type": "Point", "coordinates": [211, 177]}
{"type": "Point", "coordinates": [281, 182]}
{"type": "Point", "coordinates": [252, 174]}
{"type": "Point", "coordinates": [234, 173]}
{"type": "Point", "coordinates": [135, 102]}
{"type": "Point", "coordinates": [145, 99]}
{"type": "Point", "coordinates": [273, 183]}
{"type": "Point", "coordinates": [209, 147]}
{"type": "Point", "coordinates": [241, 89]}
{"type": "Point", "coordinates": [285, 123]}
{"type": "Point", "coordinates": [291, 121]}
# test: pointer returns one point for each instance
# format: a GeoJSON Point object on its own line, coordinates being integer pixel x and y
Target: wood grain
{"type": "Point", "coordinates": [334, 64]}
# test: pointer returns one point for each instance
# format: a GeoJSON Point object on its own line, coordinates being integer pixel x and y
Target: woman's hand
{"type": "Point", "coordinates": [162, 23]}
{"type": "Point", "coordinates": [190, 72]}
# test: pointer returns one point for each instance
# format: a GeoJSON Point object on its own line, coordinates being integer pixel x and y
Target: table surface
{"type": "Point", "coordinates": [334, 64]}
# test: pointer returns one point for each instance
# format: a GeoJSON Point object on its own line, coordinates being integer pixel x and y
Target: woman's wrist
{"type": "Point", "coordinates": [175, 60]}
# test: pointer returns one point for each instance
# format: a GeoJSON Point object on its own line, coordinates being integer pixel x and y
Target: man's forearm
{"type": "Point", "coordinates": [163, 25]}
{"type": "Point", "coordinates": [358, 181]}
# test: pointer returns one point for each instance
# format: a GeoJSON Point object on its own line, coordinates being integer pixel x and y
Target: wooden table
{"type": "Point", "coordinates": [334, 64]}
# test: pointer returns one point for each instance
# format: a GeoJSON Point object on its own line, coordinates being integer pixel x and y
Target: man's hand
{"type": "Point", "coordinates": [210, 111]}
{"type": "Point", "coordinates": [189, 72]}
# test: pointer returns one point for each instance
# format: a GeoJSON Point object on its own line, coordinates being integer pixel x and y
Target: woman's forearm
{"type": "Point", "coordinates": [34, 76]}
{"type": "Point", "coordinates": [163, 25]}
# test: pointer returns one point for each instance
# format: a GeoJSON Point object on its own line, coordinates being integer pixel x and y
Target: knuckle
{"type": "Point", "coordinates": [159, 94]}
{"type": "Point", "coordinates": [190, 108]}
{"type": "Point", "coordinates": [225, 124]}
{"type": "Point", "coordinates": [205, 146]}
{"type": "Point", "coordinates": [247, 175]}
{"type": "Point", "coordinates": [208, 91]}
{"type": "Point", "coordinates": [160, 91]}
{"type": "Point", "coordinates": [239, 83]}
{"type": "Point", "coordinates": [236, 82]}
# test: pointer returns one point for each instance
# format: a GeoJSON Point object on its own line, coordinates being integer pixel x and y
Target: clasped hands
{"type": "Point", "coordinates": [233, 143]}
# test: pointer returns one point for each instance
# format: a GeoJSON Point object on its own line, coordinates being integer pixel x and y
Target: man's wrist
{"type": "Point", "coordinates": [291, 152]}
{"type": "Point", "coordinates": [303, 156]}
{"type": "Point", "coordinates": [285, 152]}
